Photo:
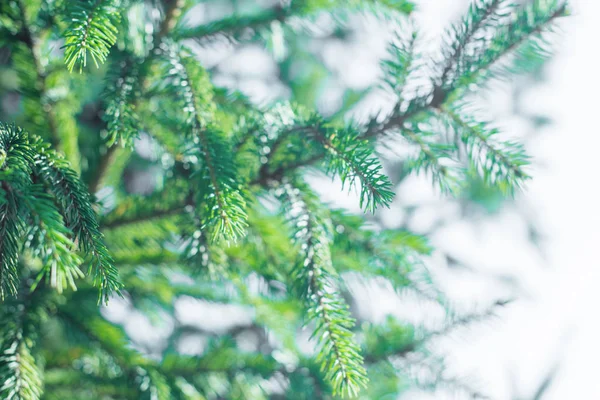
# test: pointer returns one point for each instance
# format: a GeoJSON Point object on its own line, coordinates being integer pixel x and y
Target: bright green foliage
{"type": "Point", "coordinates": [79, 216]}
{"type": "Point", "coordinates": [92, 28]}
{"type": "Point", "coordinates": [49, 239]}
{"type": "Point", "coordinates": [218, 189]}
{"type": "Point", "coordinates": [499, 163]}
{"type": "Point", "coordinates": [9, 244]}
{"type": "Point", "coordinates": [353, 160]}
{"type": "Point", "coordinates": [121, 93]}
{"type": "Point", "coordinates": [167, 189]}
{"type": "Point", "coordinates": [21, 372]}
{"type": "Point", "coordinates": [339, 355]}
{"type": "Point", "coordinates": [28, 160]}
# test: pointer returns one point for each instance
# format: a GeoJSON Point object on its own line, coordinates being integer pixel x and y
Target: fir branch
{"type": "Point", "coordinates": [339, 355]}
{"type": "Point", "coordinates": [20, 374]}
{"type": "Point", "coordinates": [499, 164]}
{"type": "Point", "coordinates": [344, 153]}
{"type": "Point", "coordinates": [399, 64]}
{"type": "Point", "coordinates": [480, 14]}
{"type": "Point", "coordinates": [173, 11]}
{"type": "Point", "coordinates": [353, 159]}
{"type": "Point", "coordinates": [122, 92]}
{"type": "Point", "coordinates": [80, 218]}
{"type": "Point", "coordinates": [48, 238]}
{"type": "Point", "coordinates": [435, 158]}
{"type": "Point", "coordinates": [92, 28]}
{"type": "Point", "coordinates": [9, 242]}
{"type": "Point", "coordinates": [16, 158]}
{"type": "Point", "coordinates": [218, 192]}
{"type": "Point", "coordinates": [531, 20]}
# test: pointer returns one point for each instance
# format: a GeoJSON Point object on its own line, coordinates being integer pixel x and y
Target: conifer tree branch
{"type": "Point", "coordinates": [81, 219]}
{"type": "Point", "coordinates": [527, 22]}
{"type": "Point", "coordinates": [50, 240]}
{"type": "Point", "coordinates": [500, 164]}
{"type": "Point", "coordinates": [9, 248]}
{"type": "Point", "coordinates": [219, 192]}
{"type": "Point", "coordinates": [172, 13]}
{"type": "Point", "coordinates": [477, 16]}
{"type": "Point", "coordinates": [339, 355]}
{"type": "Point", "coordinates": [352, 159]}
{"type": "Point", "coordinates": [531, 20]}
{"type": "Point", "coordinates": [92, 28]}
{"type": "Point", "coordinates": [20, 374]}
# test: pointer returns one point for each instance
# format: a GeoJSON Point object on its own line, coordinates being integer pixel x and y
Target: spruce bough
{"type": "Point", "coordinates": [234, 181]}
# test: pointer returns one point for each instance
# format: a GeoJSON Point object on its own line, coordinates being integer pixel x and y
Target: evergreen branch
{"type": "Point", "coordinates": [500, 164]}
{"type": "Point", "coordinates": [92, 28]}
{"type": "Point", "coordinates": [221, 198]}
{"type": "Point", "coordinates": [344, 152]}
{"type": "Point", "coordinates": [173, 11]}
{"type": "Point", "coordinates": [218, 192]}
{"type": "Point", "coordinates": [9, 237]}
{"type": "Point", "coordinates": [339, 355]}
{"type": "Point", "coordinates": [400, 62]}
{"type": "Point", "coordinates": [353, 159]}
{"type": "Point", "coordinates": [80, 218]}
{"type": "Point", "coordinates": [49, 239]}
{"type": "Point", "coordinates": [16, 158]}
{"type": "Point", "coordinates": [480, 14]}
{"type": "Point", "coordinates": [121, 93]}
{"type": "Point", "coordinates": [527, 22]}
{"type": "Point", "coordinates": [20, 375]}
{"type": "Point", "coordinates": [531, 20]}
{"type": "Point", "coordinates": [435, 158]}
